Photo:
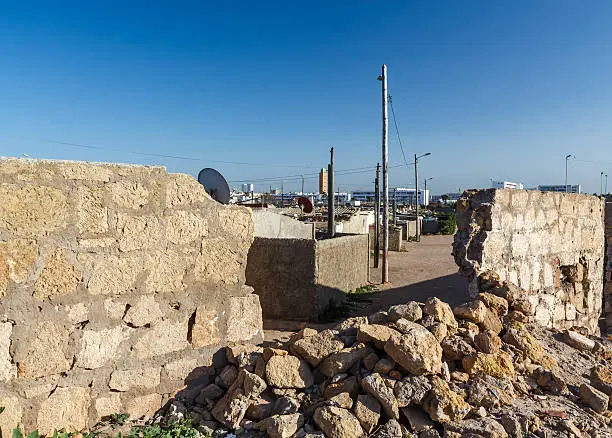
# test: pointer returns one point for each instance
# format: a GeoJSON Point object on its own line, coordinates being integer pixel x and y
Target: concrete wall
{"type": "Point", "coordinates": [271, 224]}
{"type": "Point", "coordinates": [116, 283]}
{"type": "Point", "coordinates": [395, 238]}
{"type": "Point", "coordinates": [608, 271]}
{"type": "Point", "coordinates": [549, 244]}
{"type": "Point", "coordinates": [299, 279]}
{"type": "Point", "coordinates": [358, 223]}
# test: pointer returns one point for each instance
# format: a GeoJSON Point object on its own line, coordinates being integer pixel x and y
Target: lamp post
{"type": "Point", "coordinates": [606, 189]}
{"type": "Point", "coordinates": [416, 191]}
{"type": "Point", "coordinates": [567, 157]}
{"type": "Point", "coordinates": [601, 183]}
{"type": "Point", "coordinates": [425, 189]}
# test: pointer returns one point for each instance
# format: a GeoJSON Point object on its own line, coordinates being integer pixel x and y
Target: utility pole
{"type": "Point", "coordinates": [394, 207]}
{"type": "Point", "coordinates": [385, 169]}
{"type": "Point", "coordinates": [331, 226]}
{"type": "Point", "coordinates": [567, 157]}
{"type": "Point", "coordinates": [376, 219]}
{"type": "Point", "coordinates": [416, 196]}
{"type": "Point", "coordinates": [302, 184]}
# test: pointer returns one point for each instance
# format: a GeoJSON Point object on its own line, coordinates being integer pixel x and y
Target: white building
{"type": "Point", "coordinates": [447, 197]}
{"type": "Point", "coordinates": [506, 185]}
{"type": "Point", "coordinates": [561, 188]}
{"type": "Point", "coordinates": [402, 196]}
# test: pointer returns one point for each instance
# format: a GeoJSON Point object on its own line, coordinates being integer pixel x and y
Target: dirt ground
{"type": "Point", "coordinates": [422, 270]}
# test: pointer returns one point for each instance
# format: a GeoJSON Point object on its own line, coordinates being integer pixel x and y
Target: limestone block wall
{"type": "Point", "coordinates": [608, 270]}
{"type": "Point", "coordinates": [117, 284]}
{"type": "Point", "coordinates": [551, 245]}
{"type": "Point", "coordinates": [301, 279]}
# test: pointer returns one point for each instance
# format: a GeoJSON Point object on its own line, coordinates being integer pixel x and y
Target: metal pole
{"type": "Point", "coordinates": [416, 196]}
{"type": "Point", "coordinates": [376, 214]}
{"type": "Point", "coordinates": [394, 207]}
{"type": "Point", "coordinates": [331, 226]}
{"type": "Point", "coordinates": [601, 184]}
{"type": "Point", "coordinates": [302, 184]}
{"type": "Point", "coordinates": [606, 184]}
{"type": "Point", "coordinates": [282, 195]}
{"type": "Point", "coordinates": [565, 174]}
{"type": "Point", "coordinates": [385, 170]}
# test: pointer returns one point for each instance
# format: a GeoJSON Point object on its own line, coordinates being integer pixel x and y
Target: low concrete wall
{"type": "Point", "coordinates": [116, 283]}
{"type": "Point", "coordinates": [395, 238]}
{"type": "Point", "coordinates": [271, 224]}
{"type": "Point", "coordinates": [358, 223]}
{"type": "Point", "coordinates": [299, 279]}
{"type": "Point", "coordinates": [549, 244]}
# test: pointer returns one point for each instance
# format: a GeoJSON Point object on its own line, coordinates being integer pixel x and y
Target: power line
{"type": "Point", "coordinates": [397, 130]}
{"type": "Point", "coordinates": [174, 157]}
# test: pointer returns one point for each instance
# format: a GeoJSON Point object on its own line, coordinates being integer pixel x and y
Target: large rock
{"type": "Point", "coordinates": [444, 405]}
{"type": "Point", "coordinates": [497, 365]}
{"type": "Point", "coordinates": [518, 336]}
{"type": "Point", "coordinates": [316, 348]}
{"type": "Point", "coordinates": [367, 411]}
{"type": "Point", "coordinates": [411, 390]}
{"type": "Point", "coordinates": [375, 386]}
{"type": "Point", "coordinates": [417, 351]}
{"type": "Point", "coordinates": [456, 348]}
{"type": "Point", "coordinates": [343, 360]}
{"type": "Point", "coordinates": [488, 342]}
{"type": "Point", "coordinates": [391, 429]}
{"type": "Point", "coordinates": [578, 341]}
{"type": "Point", "coordinates": [231, 409]}
{"type": "Point", "coordinates": [594, 398]}
{"type": "Point", "coordinates": [490, 392]}
{"type": "Point", "coordinates": [337, 423]}
{"type": "Point", "coordinates": [66, 408]}
{"type": "Point", "coordinates": [282, 426]}
{"type": "Point", "coordinates": [288, 372]}
{"type": "Point", "coordinates": [476, 311]}
{"type": "Point", "coordinates": [482, 427]}
{"type": "Point", "coordinates": [375, 333]}
{"type": "Point", "coordinates": [497, 304]}
{"type": "Point", "coordinates": [440, 311]}
{"type": "Point", "coordinates": [410, 311]}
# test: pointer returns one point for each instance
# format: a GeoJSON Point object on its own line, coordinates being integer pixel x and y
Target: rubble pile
{"type": "Point", "coordinates": [418, 369]}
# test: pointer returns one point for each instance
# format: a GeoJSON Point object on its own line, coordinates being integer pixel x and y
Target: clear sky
{"type": "Point", "coordinates": [493, 89]}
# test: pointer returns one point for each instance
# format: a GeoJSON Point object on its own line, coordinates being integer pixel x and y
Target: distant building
{"type": "Point", "coordinates": [506, 185]}
{"type": "Point", "coordinates": [561, 188]}
{"type": "Point", "coordinates": [447, 197]}
{"type": "Point", "coordinates": [402, 196]}
{"type": "Point", "coordinates": [323, 181]}
{"type": "Point", "coordinates": [248, 188]}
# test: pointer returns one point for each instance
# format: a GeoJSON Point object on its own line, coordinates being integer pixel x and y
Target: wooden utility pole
{"type": "Point", "coordinates": [376, 219]}
{"type": "Point", "coordinates": [416, 196]}
{"type": "Point", "coordinates": [331, 226]}
{"type": "Point", "coordinates": [385, 169]}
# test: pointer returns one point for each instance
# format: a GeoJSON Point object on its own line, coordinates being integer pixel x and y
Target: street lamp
{"type": "Point", "coordinates": [606, 175]}
{"type": "Point", "coordinates": [416, 191]}
{"type": "Point", "coordinates": [567, 157]}
{"type": "Point", "coordinates": [601, 183]}
{"type": "Point", "coordinates": [425, 189]}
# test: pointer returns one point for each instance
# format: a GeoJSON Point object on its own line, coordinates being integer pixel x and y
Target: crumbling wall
{"type": "Point", "coordinates": [551, 245]}
{"type": "Point", "coordinates": [302, 279]}
{"type": "Point", "coordinates": [608, 271]}
{"type": "Point", "coordinates": [118, 284]}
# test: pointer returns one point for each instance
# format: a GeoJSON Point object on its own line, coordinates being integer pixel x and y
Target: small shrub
{"type": "Point", "coordinates": [448, 224]}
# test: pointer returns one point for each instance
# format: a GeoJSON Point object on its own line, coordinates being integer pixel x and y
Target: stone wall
{"type": "Point", "coordinates": [550, 245]}
{"type": "Point", "coordinates": [302, 279]}
{"type": "Point", "coordinates": [117, 284]}
{"type": "Point", "coordinates": [608, 271]}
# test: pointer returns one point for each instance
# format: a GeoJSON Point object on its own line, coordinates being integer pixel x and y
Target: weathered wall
{"type": "Point", "coordinates": [358, 223]}
{"type": "Point", "coordinates": [549, 244]}
{"type": "Point", "coordinates": [116, 282]}
{"type": "Point", "coordinates": [395, 238]}
{"type": "Point", "coordinates": [300, 279]}
{"type": "Point", "coordinates": [271, 224]}
{"type": "Point", "coordinates": [608, 270]}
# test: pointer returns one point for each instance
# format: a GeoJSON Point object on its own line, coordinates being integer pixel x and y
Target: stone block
{"type": "Point", "coordinates": [206, 329]}
{"type": "Point", "coordinates": [111, 274]}
{"type": "Point", "coordinates": [44, 352]}
{"type": "Point", "coordinates": [108, 405]}
{"type": "Point", "coordinates": [92, 211]}
{"type": "Point", "coordinates": [66, 408]}
{"type": "Point", "coordinates": [17, 258]}
{"type": "Point", "coordinates": [58, 277]}
{"type": "Point", "coordinates": [144, 406]}
{"type": "Point", "coordinates": [166, 271]}
{"type": "Point", "coordinates": [129, 194]}
{"type": "Point", "coordinates": [11, 416]}
{"type": "Point", "coordinates": [145, 311]}
{"type": "Point", "coordinates": [32, 210]}
{"type": "Point", "coordinates": [124, 380]}
{"type": "Point", "coordinates": [164, 337]}
{"type": "Point", "coordinates": [219, 263]}
{"type": "Point", "coordinates": [244, 321]}
{"type": "Point", "coordinates": [183, 191]}
{"type": "Point", "coordinates": [184, 227]}
{"type": "Point", "coordinates": [7, 369]}
{"type": "Point", "coordinates": [138, 232]}
{"type": "Point", "coordinates": [98, 348]}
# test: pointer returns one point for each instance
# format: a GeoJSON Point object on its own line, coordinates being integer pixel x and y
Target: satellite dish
{"type": "Point", "coordinates": [215, 185]}
{"type": "Point", "coordinates": [305, 204]}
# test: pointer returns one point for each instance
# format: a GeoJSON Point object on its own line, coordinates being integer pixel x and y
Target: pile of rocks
{"type": "Point", "coordinates": [418, 369]}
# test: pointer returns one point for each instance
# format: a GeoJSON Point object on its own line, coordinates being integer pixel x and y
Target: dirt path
{"type": "Point", "coordinates": [423, 270]}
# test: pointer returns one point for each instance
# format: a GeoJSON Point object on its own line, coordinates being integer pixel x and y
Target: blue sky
{"type": "Point", "coordinates": [500, 89]}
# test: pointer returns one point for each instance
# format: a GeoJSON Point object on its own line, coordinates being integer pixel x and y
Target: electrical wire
{"type": "Point", "coordinates": [399, 139]}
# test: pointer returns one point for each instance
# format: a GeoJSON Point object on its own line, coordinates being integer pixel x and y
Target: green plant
{"type": "Point", "coordinates": [448, 224]}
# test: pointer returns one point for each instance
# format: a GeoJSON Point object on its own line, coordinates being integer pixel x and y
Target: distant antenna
{"type": "Point", "coordinates": [215, 185]}
{"type": "Point", "coordinates": [305, 204]}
